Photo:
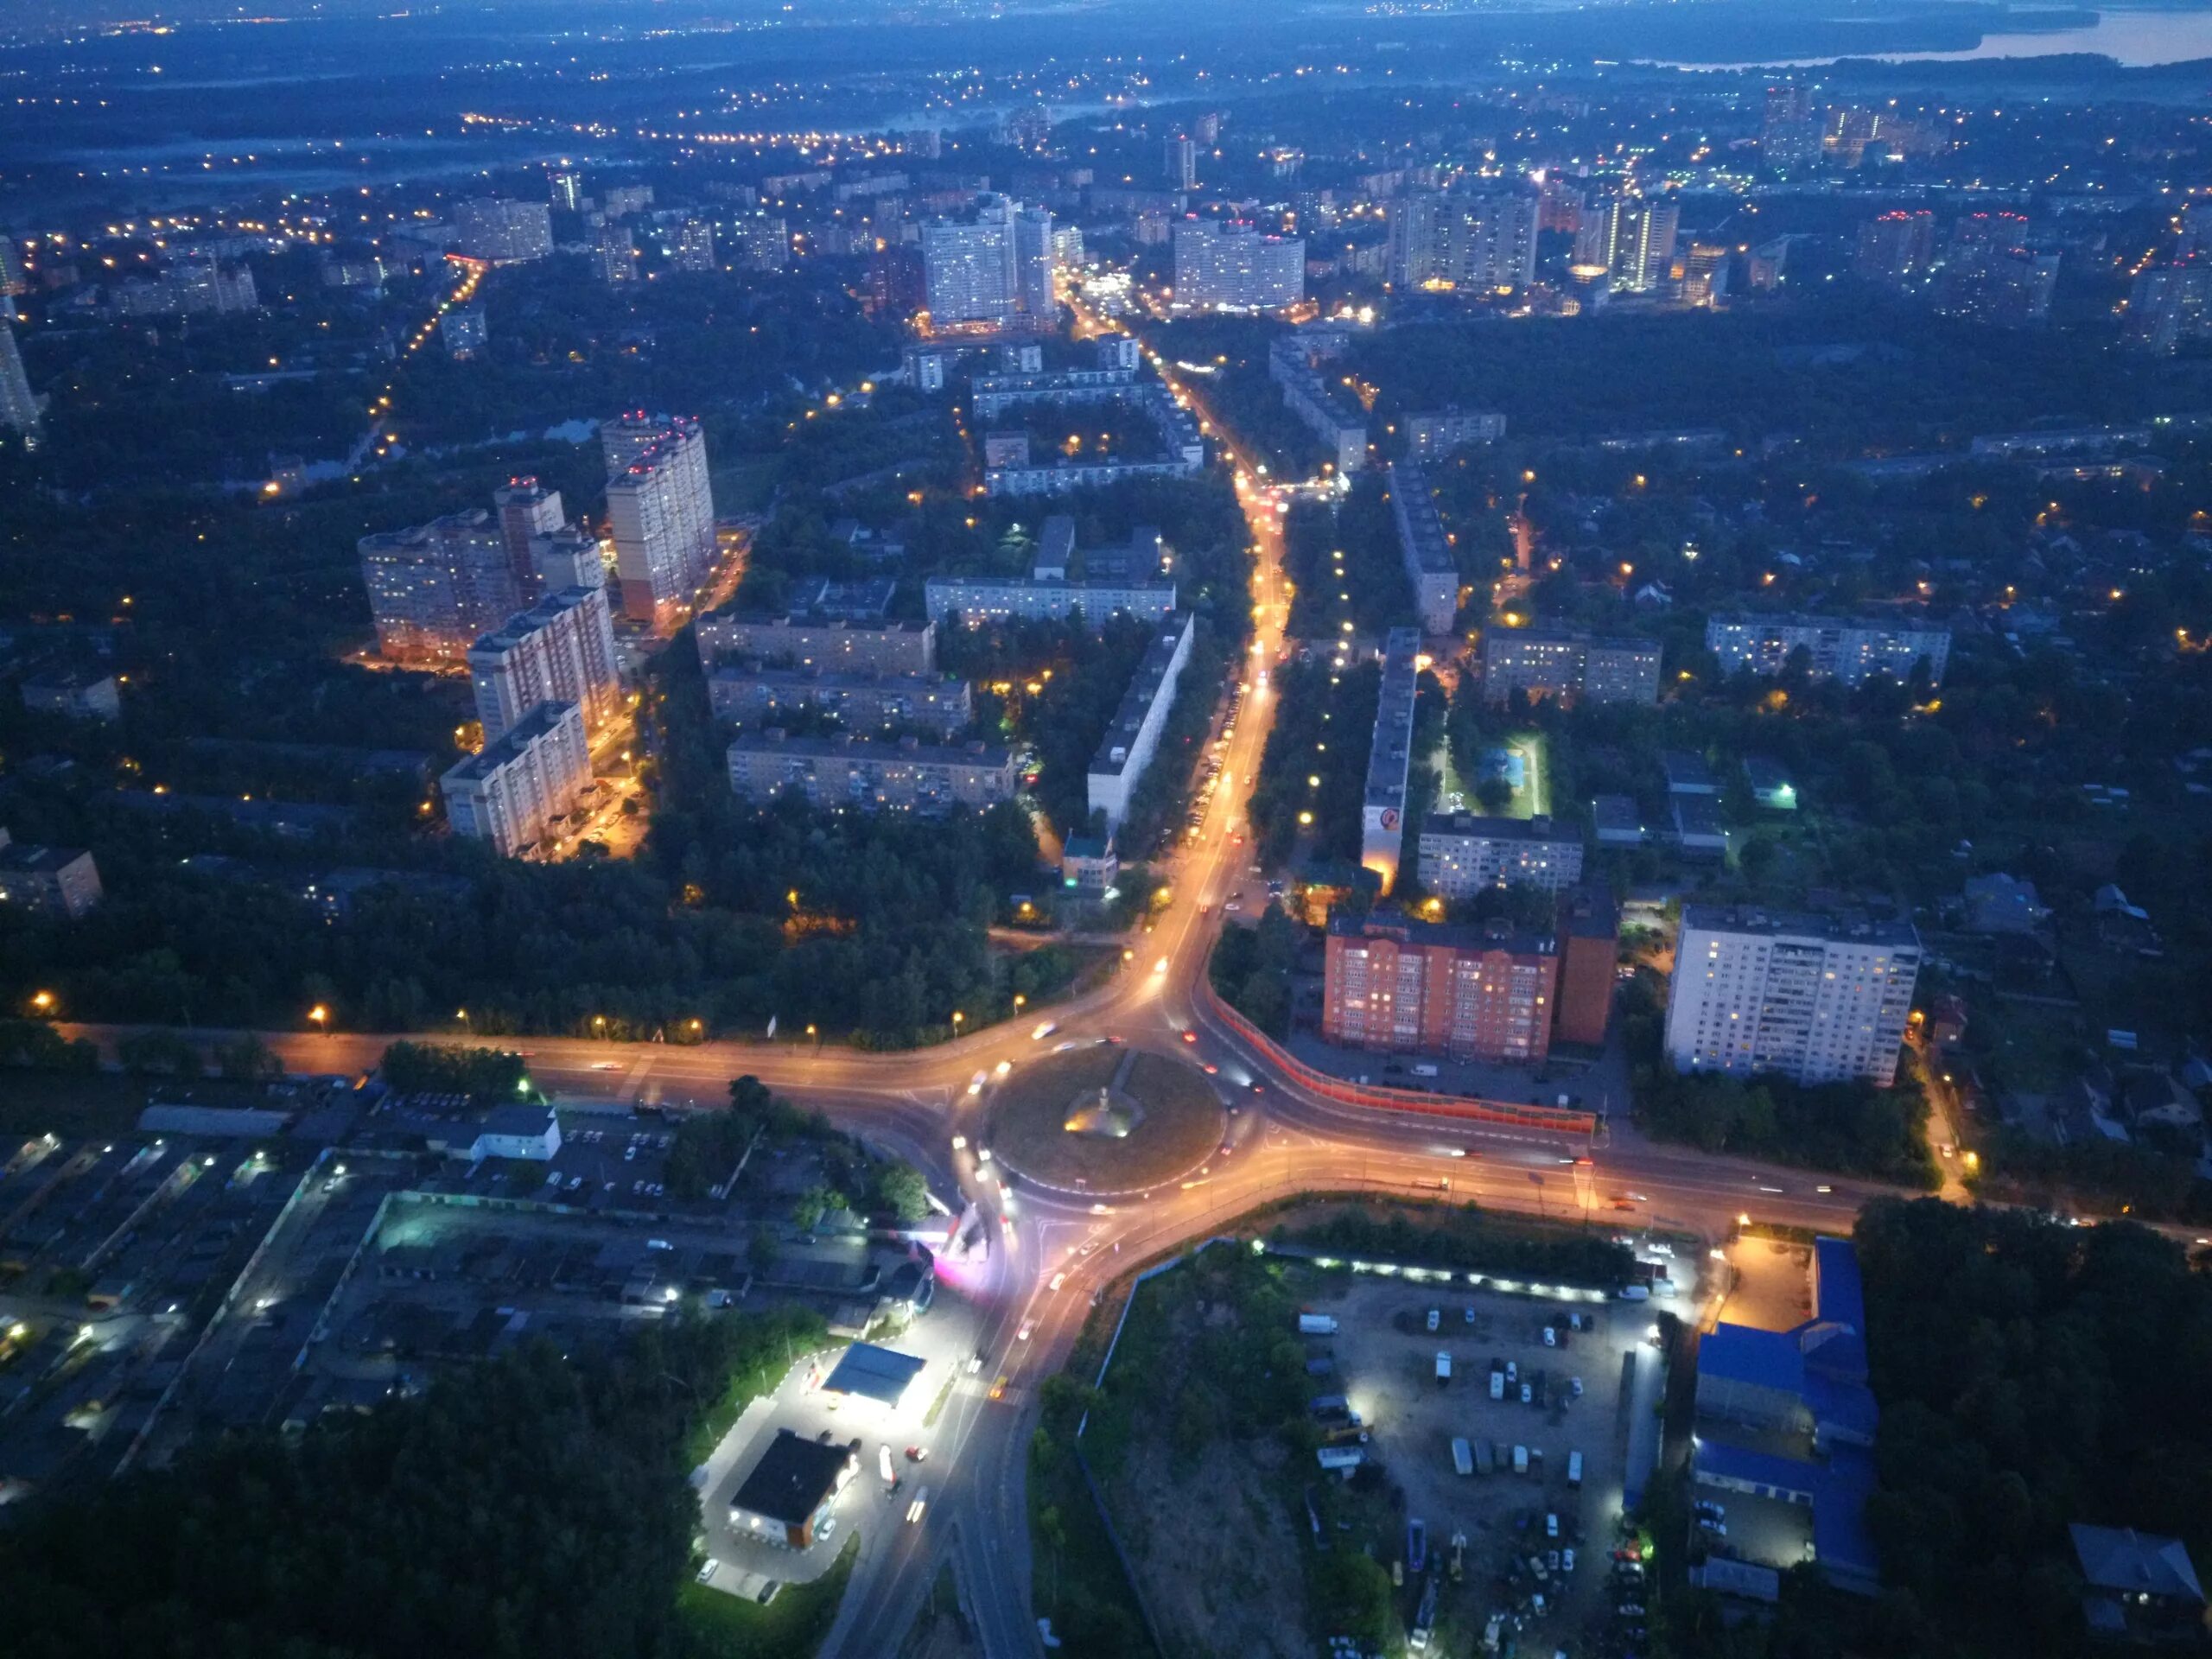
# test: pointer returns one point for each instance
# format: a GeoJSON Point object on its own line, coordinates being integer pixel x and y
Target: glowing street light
{"type": "Point", "coordinates": [44, 1001]}
{"type": "Point", "coordinates": [320, 1015]}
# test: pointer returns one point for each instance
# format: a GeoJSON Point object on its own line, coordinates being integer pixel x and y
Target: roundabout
{"type": "Point", "coordinates": [1106, 1121]}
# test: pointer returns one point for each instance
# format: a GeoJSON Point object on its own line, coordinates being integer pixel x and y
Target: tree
{"type": "Point", "coordinates": [900, 1191]}
{"type": "Point", "coordinates": [247, 1058]}
{"type": "Point", "coordinates": [142, 1051]}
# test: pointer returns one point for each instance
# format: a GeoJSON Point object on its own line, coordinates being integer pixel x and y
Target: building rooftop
{"type": "Point", "coordinates": [2135, 1563]}
{"type": "Point", "coordinates": [874, 1373]}
{"type": "Point", "coordinates": [1589, 912]}
{"type": "Point", "coordinates": [1469, 823]}
{"type": "Point", "coordinates": [1119, 744]}
{"type": "Point", "coordinates": [30, 858]}
{"type": "Point", "coordinates": [1418, 518]}
{"type": "Point", "coordinates": [1389, 754]}
{"type": "Point", "coordinates": [844, 743]}
{"type": "Point", "coordinates": [525, 731]}
{"type": "Point", "coordinates": [792, 1477]}
{"type": "Point", "coordinates": [1751, 918]}
{"type": "Point", "coordinates": [1616, 813]}
{"type": "Point", "coordinates": [1387, 921]}
{"type": "Point", "coordinates": [1688, 773]}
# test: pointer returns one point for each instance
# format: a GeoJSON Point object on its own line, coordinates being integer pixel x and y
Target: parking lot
{"type": "Point", "coordinates": [1386, 1360]}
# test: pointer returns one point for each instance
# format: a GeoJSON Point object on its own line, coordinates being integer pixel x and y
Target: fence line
{"type": "Point", "coordinates": [1552, 1119]}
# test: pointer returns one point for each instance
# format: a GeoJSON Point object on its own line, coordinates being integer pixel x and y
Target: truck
{"type": "Point", "coordinates": [1422, 1069]}
{"type": "Point", "coordinates": [1574, 1468]}
{"type": "Point", "coordinates": [1416, 1545]}
{"type": "Point", "coordinates": [1443, 1367]}
{"type": "Point", "coordinates": [1316, 1324]}
{"type": "Point", "coordinates": [1463, 1456]}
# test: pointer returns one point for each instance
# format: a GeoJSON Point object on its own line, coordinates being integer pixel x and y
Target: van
{"type": "Point", "coordinates": [1423, 1069]}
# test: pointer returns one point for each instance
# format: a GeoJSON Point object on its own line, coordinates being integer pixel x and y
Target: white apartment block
{"type": "Point", "coordinates": [1424, 548]}
{"type": "Point", "coordinates": [561, 650]}
{"type": "Point", "coordinates": [1390, 757]}
{"type": "Point", "coordinates": [510, 792]}
{"type": "Point", "coordinates": [1126, 748]}
{"type": "Point", "coordinates": [1461, 855]}
{"type": "Point", "coordinates": [1810, 998]}
{"type": "Point", "coordinates": [1851, 651]}
{"type": "Point", "coordinates": [490, 228]}
{"type": "Point", "coordinates": [1233, 268]}
{"type": "Point", "coordinates": [527, 511]}
{"type": "Point", "coordinates": [844, 771]}
{"type": "Point", "coordinates": [660, 506]}
{"type": "Point", "coordinates": [1440, 432]}
{"type": "Point", "coordinates": [996, 270]}
{"type": "Point", "coordinates": [434, 589]}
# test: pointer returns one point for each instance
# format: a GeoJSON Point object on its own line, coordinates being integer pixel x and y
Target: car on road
{"type": "Point", "coordinates": [1028, 1325]}
{"type": "Point", "coordinates": [960, 1143]}
{"type": "Point", "coordinates": [1044, 1030]}
{"type": "Point", "coordinates": [1211, 1069]}
{"type": "Point", "coordinates": [1190, 1036]}
{"type": "Point", "coordinates": [1160, 967]}
{"type": "Point", "coordinates": [1059, 1279]}
{"type": "Point", "coordinates": [1003, 1067]}
{"type": "Point", "coordinates": [998, 1388]}
{"type": "Point", "coordinates": [975, 1083]}
{"type": "Point", "coordinates": [1824, 1187]}
{"type": "Point", "coordinates": [827, 1530]}
{"type": "Point", "coordinates": [706, 1572]}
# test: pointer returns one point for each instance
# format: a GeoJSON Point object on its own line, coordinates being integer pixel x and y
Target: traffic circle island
{"type": "Point", "coordinates": [1105, 1120]}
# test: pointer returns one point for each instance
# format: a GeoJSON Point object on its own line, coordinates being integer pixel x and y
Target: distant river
{"type": "Point", "coordinates": [2136, 39]}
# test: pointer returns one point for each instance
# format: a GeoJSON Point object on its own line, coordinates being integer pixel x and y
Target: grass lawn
{"type": "Point", "coordinates": [790, 1627]}
{"type": "Point", "coordinates": [1531, 800]}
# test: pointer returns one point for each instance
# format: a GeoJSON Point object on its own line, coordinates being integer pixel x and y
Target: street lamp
{"type": "Point", "coordinates": [44, 1001]}
{"type": "Point", "coordinates": [1019, 1002]}
{"type": "Point", "coordinates": [956, 1018]}
{"type": "Point", "coordinates": [320, 1015]}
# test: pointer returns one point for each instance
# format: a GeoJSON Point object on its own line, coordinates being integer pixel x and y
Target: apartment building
{"type": "Point", "coordinates": [1424, 547]}
{"type": "Point", "coordinates": [752, 695]}
{"type": "Point", "coordinates": [1134, 734]}
{"type": "Point", "coordinates": [828, 643]}
{"type": "Point", "coordinates": [1462, 854]}
{"type": "Point", "coordinates": [561, 650]}
{"type": "Point", "coordinates": [1395, 986]}
{"type": "Point", "coordinates": [660, 506]}
{"type": "Point", "coordinates": [1569, 666]}
{"type": "Point", "coordinates": [1837, 648]}
{"type": "Point", "coordinates": [509, 793]}
{"type": "Point", "coordinates": [48, 880]}
{"type": "Point", "coordinates": [847, 771]}
{"type": "Point", "coordinates": [1389, 758]}
{"type": "Point", "coordinates": [1817, 998]}
{"type": "Point", "coordinates": [1115, 581]}
{"type": "Point", "coordinates": [1440, 432]}
{"type": "Point", "coordinates": [435, 588]}
{"type": "Point", "coordinates": [1233, 268]}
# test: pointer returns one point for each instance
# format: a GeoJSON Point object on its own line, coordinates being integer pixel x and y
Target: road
{"type": "Point", "coordinates": [1283, 1142]}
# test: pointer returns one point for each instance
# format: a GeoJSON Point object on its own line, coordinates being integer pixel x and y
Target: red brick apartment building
{"type": "Point", "coordinates": [1396, 986]}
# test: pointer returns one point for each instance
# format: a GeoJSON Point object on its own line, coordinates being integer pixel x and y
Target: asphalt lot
{"type": "Point", "coordinates": [1386, 1359]}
